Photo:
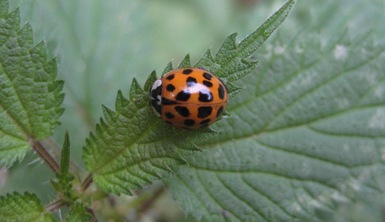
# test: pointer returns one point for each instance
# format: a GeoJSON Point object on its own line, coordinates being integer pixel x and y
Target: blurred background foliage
{"type": "Point", "coordinates": [101, 45]}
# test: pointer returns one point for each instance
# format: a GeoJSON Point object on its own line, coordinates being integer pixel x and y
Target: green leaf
{"type": "Point", "coordinates": [30, 97]}
{"type": "Point", "coordinates": [65, 155]}
{"type": "Point", "coordinates": [63, 183]}
{"type": "Point", "coordinates": [26, 207]}
{"type": "Point", "coordinates": [185, 63]}
{"type": "Point", "coordinates": [231, 62]}
{"type": "Point", "coordinates": [64, 179]}
{"type": "Point", "coordinates": [132, 147]}
{"type": "Point", "coordinates": [78, 212]}
{"type": "Point", "coordinates": [169, 67]}
{"type": "Point", "coordinates": [363, 207]}
{"type": "Point", "coordinates": [307, 132]}
{"type": "Point", "coordinates": [128, 151]}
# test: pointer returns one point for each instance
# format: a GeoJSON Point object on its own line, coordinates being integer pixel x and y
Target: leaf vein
{"type": "Point", "coordinates": [219, 203]}
{"type": "Point", "coordinates": [334, 77]}
{"type": "Point", "coordinates": [276, 174]}
{"type": "Point", "coordinates": [266, 196]}
{"type": "Point", "coordinates": [255, 209]}
{"type": "Point", "coordinates": [114, 170]}
{"type": "Point", "coordinates": [15, 119]}
{"type": "Point", "coordinates": [193, 193]}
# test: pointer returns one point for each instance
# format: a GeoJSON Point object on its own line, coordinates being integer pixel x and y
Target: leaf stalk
{"type": "Point", "coordinates": [44, 154]}
{"type": "Point", "coordinates": [55, 205]}
{"type": "Point", "coordinates": [86, 183]}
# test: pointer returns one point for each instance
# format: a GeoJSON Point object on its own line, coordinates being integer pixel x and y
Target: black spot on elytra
{"type": "Point", "coordinates": [191, 81]}
{"type": "Point", "coordinates": [187, 71]}
{"type": "Point", "coordinates": [170, 87]}
{"type": "Point", "coordinates": [221, 91]}
{"type": "Point", "coordinates": [170, 77]}
{"type": "Point", "coordinates": [183, 111]}
{"type": "Point", "coordinates": [204, 111]}
{"type": "Point", "coordinates": [207, 76]}
{"type": "Point", "coordinates": [169, 115]}
{"type": "Point", "coordinates": [207, 83]}
{"type": "Point", "coordinates": [168, 102]}
{"type": "Point", "coordinates": [189, 122]}
{"type": "Point", "coordinates": [205, 122]}
{"type": "Point", "coordinates": [220, 111]}
{"type": "Point", "coordinates": [183, 96]}
{"type": "Point", "coordinates": [205, 96]}
{"type": "Point", "coordinates": [223, 84]}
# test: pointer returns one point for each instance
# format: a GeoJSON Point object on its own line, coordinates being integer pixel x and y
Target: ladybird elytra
{"type": "Point", "coordinates": [190, 98]}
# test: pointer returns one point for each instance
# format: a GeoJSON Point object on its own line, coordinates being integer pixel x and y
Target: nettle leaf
{"type": "Point", "coordinates": [232, 60]}
{"type": "Point", "coordinates": [65, 156]}
{"type": "Point", "coordinates": [30, 97]}
{"type": "Point", "coordinates": [78, 212]}
{"type": "Point", "coordinates": [26, 207]}
{"type": "Point", "coordinates": [364, 207]}
{"type": "Point", "coordinates": [132, 147]}
{"type": "Point", "coordinates": [308, 131]}
{"type": "Point", "coordinates": [128, 151]}
{"type": "Point", "coordinates": [64, 178]}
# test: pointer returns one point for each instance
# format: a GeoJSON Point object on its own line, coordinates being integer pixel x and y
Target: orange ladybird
{"type": "Point", "coordinates": [189, 98]}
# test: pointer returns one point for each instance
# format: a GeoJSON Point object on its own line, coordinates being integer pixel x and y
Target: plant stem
{"type": "Point", "coordinates": [86, 183]}
{"type": "Point", "coordinates": [55, 205]}
{"type": "Point", "coordinates": [94, 219]}
{"type": "Point", "coordinates": [43, 153]}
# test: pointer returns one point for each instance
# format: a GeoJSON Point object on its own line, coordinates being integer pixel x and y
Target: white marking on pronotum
{"type": "Point", "coordinates": [157, 83]}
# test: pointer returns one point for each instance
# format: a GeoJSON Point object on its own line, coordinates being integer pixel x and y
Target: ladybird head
{"type": "Point", "coordinates": [156, 97]}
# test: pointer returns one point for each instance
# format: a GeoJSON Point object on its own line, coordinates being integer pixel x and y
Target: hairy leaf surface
{"type": "Point", "coordinates": [30, 97]}
{"type": "Point", "coordinates": [23, 207]}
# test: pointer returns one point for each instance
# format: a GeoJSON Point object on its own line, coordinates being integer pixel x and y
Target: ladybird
{"type": "Point", "coordinates": [190, 98]}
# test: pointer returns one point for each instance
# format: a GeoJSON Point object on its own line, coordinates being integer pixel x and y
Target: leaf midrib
{"type": "Point", "coordinates": [258, 34]}
{"type": "Point", "coordinates": [23, 106]}
{"type": "Point", "coordinates": [131, 144]}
